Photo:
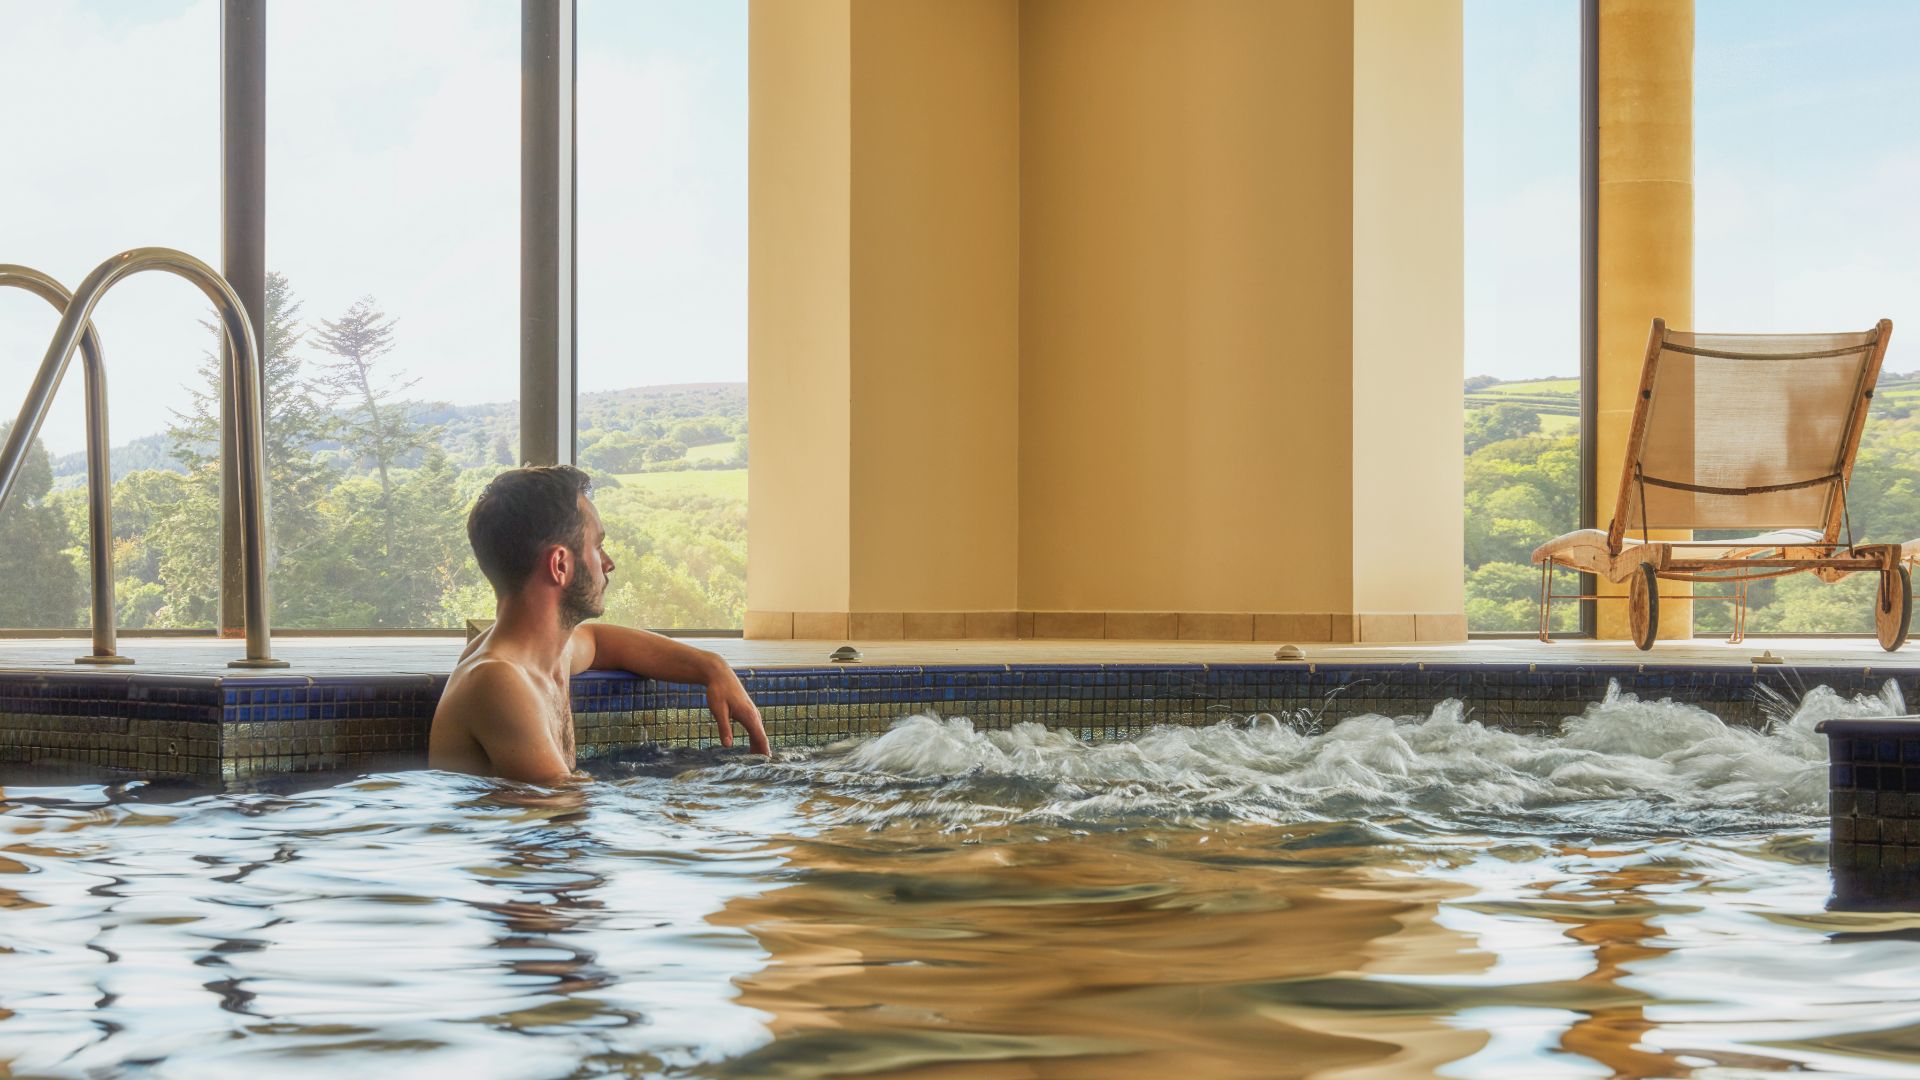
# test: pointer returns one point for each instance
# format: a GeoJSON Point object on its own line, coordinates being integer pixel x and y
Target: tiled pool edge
{"type": "Point", "coordinates": [1873, 802]}
{"type": "Point", "coordinates": [239, 728]}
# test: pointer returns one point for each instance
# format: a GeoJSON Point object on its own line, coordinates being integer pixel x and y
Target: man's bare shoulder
{"type": "Point", "coordinates": [483, 685]}
{"type": "Point", "coordinates": [489, 707]}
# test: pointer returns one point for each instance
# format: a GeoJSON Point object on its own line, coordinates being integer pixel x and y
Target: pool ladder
{"type": "Point", "coordinates": [243, 380]}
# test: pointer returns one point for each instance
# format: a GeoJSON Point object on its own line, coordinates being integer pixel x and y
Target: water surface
{"type": "Point", "coordinates": [1641, 896]}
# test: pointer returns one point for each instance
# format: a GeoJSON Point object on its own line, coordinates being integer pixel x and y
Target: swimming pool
{"type": "Point", "coordinates": [1641, 894]}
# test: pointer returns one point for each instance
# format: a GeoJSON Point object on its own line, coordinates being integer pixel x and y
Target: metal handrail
{"type": "Point", "coordinates": [243, 382]}
{"type": "Point", "coordinates": [99, 476]}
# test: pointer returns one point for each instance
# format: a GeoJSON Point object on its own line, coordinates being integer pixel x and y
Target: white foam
{"type": "Point", "coordinates": [1664, 761]}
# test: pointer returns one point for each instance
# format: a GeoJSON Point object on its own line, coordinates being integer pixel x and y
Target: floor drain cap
{"type": "Point", "coordinates": [845, 654]}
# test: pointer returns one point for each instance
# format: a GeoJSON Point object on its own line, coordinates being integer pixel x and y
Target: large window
{"type": "Point", "coordinates": [1806, 161]}
{"type": "Point", "coordinates": [393, 289]}
{"type": "Point", "coordinates": [663, 302]}
{"type": "Point", "coordinates": [118, 147]}
{"type": "Point", "coordinates": [1522, 154]}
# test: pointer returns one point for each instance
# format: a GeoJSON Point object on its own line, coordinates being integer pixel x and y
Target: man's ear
{"type": "Point", "coordinates": [559, 564]}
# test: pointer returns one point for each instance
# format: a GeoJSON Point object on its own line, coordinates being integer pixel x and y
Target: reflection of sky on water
{"type": "Point", "coordinates": [418, 915]}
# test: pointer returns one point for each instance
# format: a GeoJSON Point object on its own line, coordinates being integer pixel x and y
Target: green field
{"type": "Point", "coordinates": [1537, 386]}
{"type": "Point", "coordinates": [719, 451]}
{"type": "Point", "coordinates": [723, 483]}
{"type": "Point", "coordinates": [1902, 389]}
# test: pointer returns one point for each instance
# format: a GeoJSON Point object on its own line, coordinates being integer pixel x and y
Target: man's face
{"type": "Point", "coordinates": [585, 596]}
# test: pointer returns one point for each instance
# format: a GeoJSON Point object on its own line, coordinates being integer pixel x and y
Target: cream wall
{"type": "Point", "coordinates": [1184, 291]}
{"type": "Point", "coordinates": [1116, 318]}
{"type": "Point", "coordinates": [1409, 328]}
{"type": "Point", "coordinates": [798, 288]}
{"type": "Point", "coordinates": [883, 312]}
{"type": "Point", "coordinates": [935, 308]}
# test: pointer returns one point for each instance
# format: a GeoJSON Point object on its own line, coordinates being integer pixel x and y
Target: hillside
{"type": "Point", "coordinates": [652, 428]}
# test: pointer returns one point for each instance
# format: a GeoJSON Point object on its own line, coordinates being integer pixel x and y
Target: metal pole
{"type": "Point", "coordinates": [1589, 289]}
{"type": "Point", "coordinates": [547, 224]}
{"type": "Point", "coordinates": [33, 412]}
{"type": "Point", "coordinates": [243, 255]}
{"type": "Point", "coordinates": [243, 371]}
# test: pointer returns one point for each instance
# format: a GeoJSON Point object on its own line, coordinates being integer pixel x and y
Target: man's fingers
{"type": "Point", "coordinates": [720, 713]}
{"type": "Point", "coordinates": [756, 731]}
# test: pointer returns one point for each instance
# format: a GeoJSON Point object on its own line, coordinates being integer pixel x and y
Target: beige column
{"type": "Point", "coordinates": [883, 318]}
{"type": "Point", "coordinates": [1186, 276]}
{"type": "Point", "coordinates": [1106, 318]}
{"type": "Point", "coordinates": [1409, 322]}
{"type": "Point", "coordinates": [799, 323]}
{"type": "Point", "coordinates": [1646, 236]}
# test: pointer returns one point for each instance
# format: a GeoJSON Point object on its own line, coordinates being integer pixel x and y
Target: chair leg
{"type": "Point", "coordinates": [1546, 591]}
{"type": "Point", "coordinates": [1739, 614]}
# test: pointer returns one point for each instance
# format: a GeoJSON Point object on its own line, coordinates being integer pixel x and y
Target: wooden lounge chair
{"type": "Point", "coordinates": [1749, 432]}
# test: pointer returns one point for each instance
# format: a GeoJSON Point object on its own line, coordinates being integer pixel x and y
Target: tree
{"type": "Point", "coordinates": [375, 427]}
{"type": "Point", "coordinates": [43, 585]}
{"type": "Point", "coordinates": [187, 528]}
{"type": "Point", "coordinates": [1497, 423]}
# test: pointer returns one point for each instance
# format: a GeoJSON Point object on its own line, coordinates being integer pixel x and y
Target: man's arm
{"type": "Point", "coordinates": [602, 645]}
{"type": "Point", "coordinates": [506, 717]}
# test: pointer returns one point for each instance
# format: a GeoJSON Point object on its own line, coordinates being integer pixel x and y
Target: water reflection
{"type": "Point", "coordinates": [1112, 954]}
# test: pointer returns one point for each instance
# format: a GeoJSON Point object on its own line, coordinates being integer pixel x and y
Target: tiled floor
{"type": "Point", "coordinates": [414, 655]}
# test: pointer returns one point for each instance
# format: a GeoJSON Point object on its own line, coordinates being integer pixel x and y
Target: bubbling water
{"type": "Point", "coordinates": [1624, 765]}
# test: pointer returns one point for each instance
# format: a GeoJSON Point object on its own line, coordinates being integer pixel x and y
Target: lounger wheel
{"type": "Point", "coordinates": [1643, 607]}
{"type": "Point", "coordinates": [1893, 608]}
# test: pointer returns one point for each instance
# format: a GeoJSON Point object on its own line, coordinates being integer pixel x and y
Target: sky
{"type": "Point", "coordinates": [1806, 174]}
{"type": "Point", "coordinates": [392, 170]}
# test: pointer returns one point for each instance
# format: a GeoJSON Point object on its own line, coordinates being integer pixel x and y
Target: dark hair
{"type": "Point", "coordinates": [521, 514]}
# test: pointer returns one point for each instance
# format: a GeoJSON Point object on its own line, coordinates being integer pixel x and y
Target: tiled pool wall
{"type": "Point", "coordinates": [236, 729]}
{"type": "Point", "coordinates": [1873, 793]}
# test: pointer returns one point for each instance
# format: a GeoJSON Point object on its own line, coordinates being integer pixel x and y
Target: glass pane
{"type": "Point", "coordinates": [118, 148]}
{"type": "Point", "coordinates": [393, 245]}
{"type": "Point", "coordinates": [1806, 161]}
{"type": "Point", "coordinates": [1522, 132]}
{"type": "Point", "coordinates": [663, 302]}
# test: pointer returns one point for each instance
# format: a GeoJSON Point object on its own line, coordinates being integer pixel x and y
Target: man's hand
{"type": "Point", "coordinates": [728, 701]}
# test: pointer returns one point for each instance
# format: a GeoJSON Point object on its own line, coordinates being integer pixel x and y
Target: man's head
{"type": "Point", "coordinates": [534, 530]}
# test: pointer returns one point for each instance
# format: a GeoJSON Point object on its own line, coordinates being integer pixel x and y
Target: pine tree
{"type": "Point", "coordinates": [375, 427]}
{"type": "Point", "coordinates": [295, 420]}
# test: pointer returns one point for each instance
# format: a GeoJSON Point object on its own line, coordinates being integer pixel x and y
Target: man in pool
{"type": "Point", "coordinates": [506, 710]}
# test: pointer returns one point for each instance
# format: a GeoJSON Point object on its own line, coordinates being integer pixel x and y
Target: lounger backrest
{"type": "Point", "coordinates": [1747, 431]}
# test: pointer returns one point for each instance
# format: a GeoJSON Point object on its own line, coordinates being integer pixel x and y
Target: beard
{"type": "Point", "coordinates": [581, 601]}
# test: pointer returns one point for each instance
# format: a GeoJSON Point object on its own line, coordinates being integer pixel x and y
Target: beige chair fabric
{"type": "Point", "coordinates": [1749, 431]}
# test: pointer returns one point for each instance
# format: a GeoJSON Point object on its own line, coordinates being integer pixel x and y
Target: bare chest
{"type": "Point", "coordinates": [560, 720]}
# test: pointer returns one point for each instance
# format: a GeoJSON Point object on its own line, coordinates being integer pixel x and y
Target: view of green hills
{"type": "Point", "coordinates": [369, 488]}
{"type": "Point", "coordinates": [1522, 488]}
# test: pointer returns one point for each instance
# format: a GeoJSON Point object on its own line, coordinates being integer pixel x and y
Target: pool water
{"type": "Point", "coordinates": [1641, 896]}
